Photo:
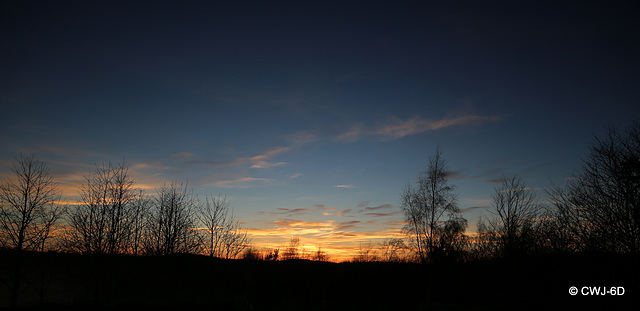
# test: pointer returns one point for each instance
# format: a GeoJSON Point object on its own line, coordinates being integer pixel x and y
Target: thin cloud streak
{"type": "Point", "coordinates": [345, 186]}
{"type": "Point", "coordinates": [244, 182]}
{"type": "Point", "coordinates": [260, 161]}
{"type": "Point", "coordinates": [469, 209]}
{"type": "Point", "coordinates": [398, 128]}
{"type": "Point", "coordinates": [383, 214]}
{"type": "Point", "coordinates": [374, 208]}
{"type": "Point", "coordinates": [265, 164]}
{"type": "Point", "coordinates": [288, 212]}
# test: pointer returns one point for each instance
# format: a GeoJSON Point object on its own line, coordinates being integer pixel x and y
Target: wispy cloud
{"type": "Point", "coordinates": [244, 182]}
{"type": "Point", "coordinates": [288, 212]}
{"type": "Point", "coordinates": [355, 132]}
{"type": "Point", "coordinates": [345, 186]}
{"type": "Point", "coordinates": [265, 164]}
{"type": "Point", "coordinates": [383, 214]}
{"type": "Point", "coordinates": [300, 138]}
{"type": "Point", "coordinates": [469, 209]}
{"type": "Point", "coordinates": [260, 161]}
{"type": "Point", "coordinates": [495, 181]}
{"type": "Point", "coordinates": [346, 225]}
{"type": "Point", "coordinates": [294, 176]}
{"type": "Point", "coordinates": [338, 239]}
{"type": "Point", "coordinates": [397, 128]}
{"type": "Point", "coordinates": [325, 211]}
{"type": "Point", "coordinates": [303, 224]}
{"type": "Point", "coordinates": [377, 211]}
{"type": "Point", "coordinates": [374, 208]}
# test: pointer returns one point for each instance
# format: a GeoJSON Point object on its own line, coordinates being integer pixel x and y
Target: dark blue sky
{"type": "Point", "coordinates": [305, 114]}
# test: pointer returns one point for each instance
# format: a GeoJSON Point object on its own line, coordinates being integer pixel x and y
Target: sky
{"type": "Point", "coordinates": [312, 116]}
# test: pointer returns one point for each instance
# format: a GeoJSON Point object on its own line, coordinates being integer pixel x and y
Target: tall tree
{"type": "Point", "coordinates": [292, 251]}
{"type": "Point", "coordinates": [27, 205]}
{"type": "Point", "coordinates": [138, 213]}
{"type": "Point", "coordinates": [601, 203]}
{"type": "Point", "coordinates": [102, 224]}
{"type": "Point", "coordinates": [515, 222]}
{"type": "Point", "coordinates": [431, 212]}
{"type": "Point", "coordinates": [171, 222]}
{"type": "Point", "coordinates": [223, 235]}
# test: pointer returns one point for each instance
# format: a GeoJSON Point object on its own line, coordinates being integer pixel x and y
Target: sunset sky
{"type": "Point", "coordinates": [311, 117]}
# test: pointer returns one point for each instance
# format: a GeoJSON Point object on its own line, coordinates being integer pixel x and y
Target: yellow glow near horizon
{"type": "Point", "coordinates": [339, 242]}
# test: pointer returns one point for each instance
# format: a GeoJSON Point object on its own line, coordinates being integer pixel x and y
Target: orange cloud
{"type": "Point", "coordinates": [339, 240]}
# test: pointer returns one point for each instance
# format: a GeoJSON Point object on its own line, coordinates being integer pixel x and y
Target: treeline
{"type": "Point", "coordinates": [112, 216]}
{"type": "Point", "coordinates": [598, 210]}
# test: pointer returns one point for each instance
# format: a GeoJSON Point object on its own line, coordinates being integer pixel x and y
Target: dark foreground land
{"type": "Point", "coordinates": [55, 280]}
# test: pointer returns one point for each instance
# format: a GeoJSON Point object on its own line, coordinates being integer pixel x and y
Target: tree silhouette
{"type": "Point", "coordinates": [601, 203]}
{"type": "Point", "coordinates": [223, 236]}
{"type": "Point", "coordinates": [320, 255]}
{"type": "Point", "coordinates": [394, 250]}
{"type": "Point", "coordinates": [170, 223]}
{"type": "Point", "coordinates": [272, 255]}
{"type": "Point", "coordinates": [431, 213]}
{"type": "Point", "coordinates": [109, 212]}
{"type": "Point", "coordinates": [138, 212]}
{"type": "Point", "coordinates": [292, 251]}
{"type": "Point", "coordinates": [28, 213]}
{"type": "Point", "coordinates": [28, 210]}
{"type": "Point", "coordinates": [366, 253]}
{"type": "Point", "coordinates": [514, 226]}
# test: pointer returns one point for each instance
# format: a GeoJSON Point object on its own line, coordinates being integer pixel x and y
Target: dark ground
{"type": "Point", "coordinates": [56, 280]}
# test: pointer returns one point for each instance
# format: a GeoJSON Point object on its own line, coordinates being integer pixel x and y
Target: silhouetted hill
{"type": "Point", "coordinates": [181, 281]}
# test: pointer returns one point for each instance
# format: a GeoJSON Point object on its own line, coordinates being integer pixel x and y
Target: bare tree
{"type": "Point", "coordinates": [320, 255]}
{"type": "Point", "coordinates": [601, 203]}
{"type": "Point", "coordinates": [487, 242]}
{"type": "Point", "coordinates": [28, 213]}
{"type": "Point", "coordinates": [556, 231]}
{"type": "Point", "coordinates": [235, 239]}
{"type": "Point", "coordinates": [251, 253]}
{"type": "Point", "coordinates": [515, 221]}
{"type": "Point", "coordinates": [272, 255]}
{"type": "Point", "coordinates": [366, 253]}
{"type": "Point", "coordinates": [223, 234]}
{"type": "Point", "coordinates": [138, 213]}
{"type": "Point", "coordinates": [431, 211]}
{"type": "Point", "coordinates": [394, 250]}
{"type": "Point", "coordinates": [452, 242]}
{"type": "Point", "coordinates": [102, 224]}
{"type": "Point", "coordinates": [171, 223]}
{"type": "Point", "coordinates": [292, 251]}
{"type": "Point", "coordinates": [28, 210]}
